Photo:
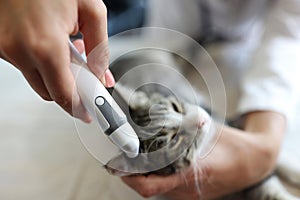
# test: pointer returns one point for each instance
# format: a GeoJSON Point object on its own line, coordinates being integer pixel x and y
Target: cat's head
{"type": "Point", "coordinates": [170, 134]}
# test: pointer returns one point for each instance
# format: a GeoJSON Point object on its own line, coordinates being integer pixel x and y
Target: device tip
{"type": "Point", "coordinates": [126, 139]}
{"type": "Point", "coordinates": [131, 149]}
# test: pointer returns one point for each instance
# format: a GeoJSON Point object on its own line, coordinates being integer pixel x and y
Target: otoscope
{"type": "Point", "coordinates": [102, 107]}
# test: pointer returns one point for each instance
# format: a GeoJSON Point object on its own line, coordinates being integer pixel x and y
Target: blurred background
{"type": "Point", "coordinates": [41, 155]}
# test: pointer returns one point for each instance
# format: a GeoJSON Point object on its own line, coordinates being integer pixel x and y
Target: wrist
{"type": "Point", "coordinates": [267, 128]}
{"type": "Point", "coordinates": [267, 149]}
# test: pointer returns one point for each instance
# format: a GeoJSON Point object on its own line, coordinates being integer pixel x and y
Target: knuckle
{"type": "Point", "coordinates": [37, 43]}
{"type": "Point", "coordinates": [103, 8]}
{"type": "Point", "coordinates": [40, 48]}
{"type": "Point", "coordinates": [100, 11]}
{"type": "Point", "coordinates": [43, 44]}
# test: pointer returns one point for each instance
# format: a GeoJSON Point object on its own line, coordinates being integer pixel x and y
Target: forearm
{"type": "Point", "coordinates": [243, 157]}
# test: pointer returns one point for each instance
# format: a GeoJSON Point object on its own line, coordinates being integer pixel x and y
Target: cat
{"type": "Point", "coordinates": [164, 119]}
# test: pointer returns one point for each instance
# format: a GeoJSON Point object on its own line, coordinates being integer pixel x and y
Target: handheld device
{"type": "Point", "coordinates": [102, 107]}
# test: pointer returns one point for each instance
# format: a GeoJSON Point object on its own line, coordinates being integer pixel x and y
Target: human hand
{"type": "Point", "coordinates": [212, 177]}
{"type": "Point", "coordinates": [176, 186]}
{"type": "Point", "coordinates": [34, 37]}
{"type": "Point", "coordinates": [221, 173]}
{"type": "Point", "coordinates": [239, 159]}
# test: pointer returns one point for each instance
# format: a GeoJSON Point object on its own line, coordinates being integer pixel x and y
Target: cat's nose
{"type": "Point", "coordinates": [201, 122]}
{"type": "Point", "coordinates": [203, 118]}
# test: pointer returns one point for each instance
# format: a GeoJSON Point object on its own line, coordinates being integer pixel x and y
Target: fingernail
{"type": "Point", "coordinates": [110, 80]}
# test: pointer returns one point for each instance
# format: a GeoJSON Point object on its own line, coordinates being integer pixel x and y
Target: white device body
{"type": "Point", "coordinates": [102, 107]}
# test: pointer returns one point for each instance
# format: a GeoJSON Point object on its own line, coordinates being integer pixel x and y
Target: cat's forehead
{"type": "Point", "coordinates": [142, 100]}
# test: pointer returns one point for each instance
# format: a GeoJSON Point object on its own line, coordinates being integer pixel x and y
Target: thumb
{"type": "Point", "coordinates": [93, 25]}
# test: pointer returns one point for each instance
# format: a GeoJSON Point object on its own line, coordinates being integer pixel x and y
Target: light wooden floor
{"type": "Point", "coordinates": [40, 153]}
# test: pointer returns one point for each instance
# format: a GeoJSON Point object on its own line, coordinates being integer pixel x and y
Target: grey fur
{"type": "Point", "coordinates": [166, 118]}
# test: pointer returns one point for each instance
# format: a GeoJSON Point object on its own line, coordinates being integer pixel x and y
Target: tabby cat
{"type": "Point", "coordinates": [162, 121]}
